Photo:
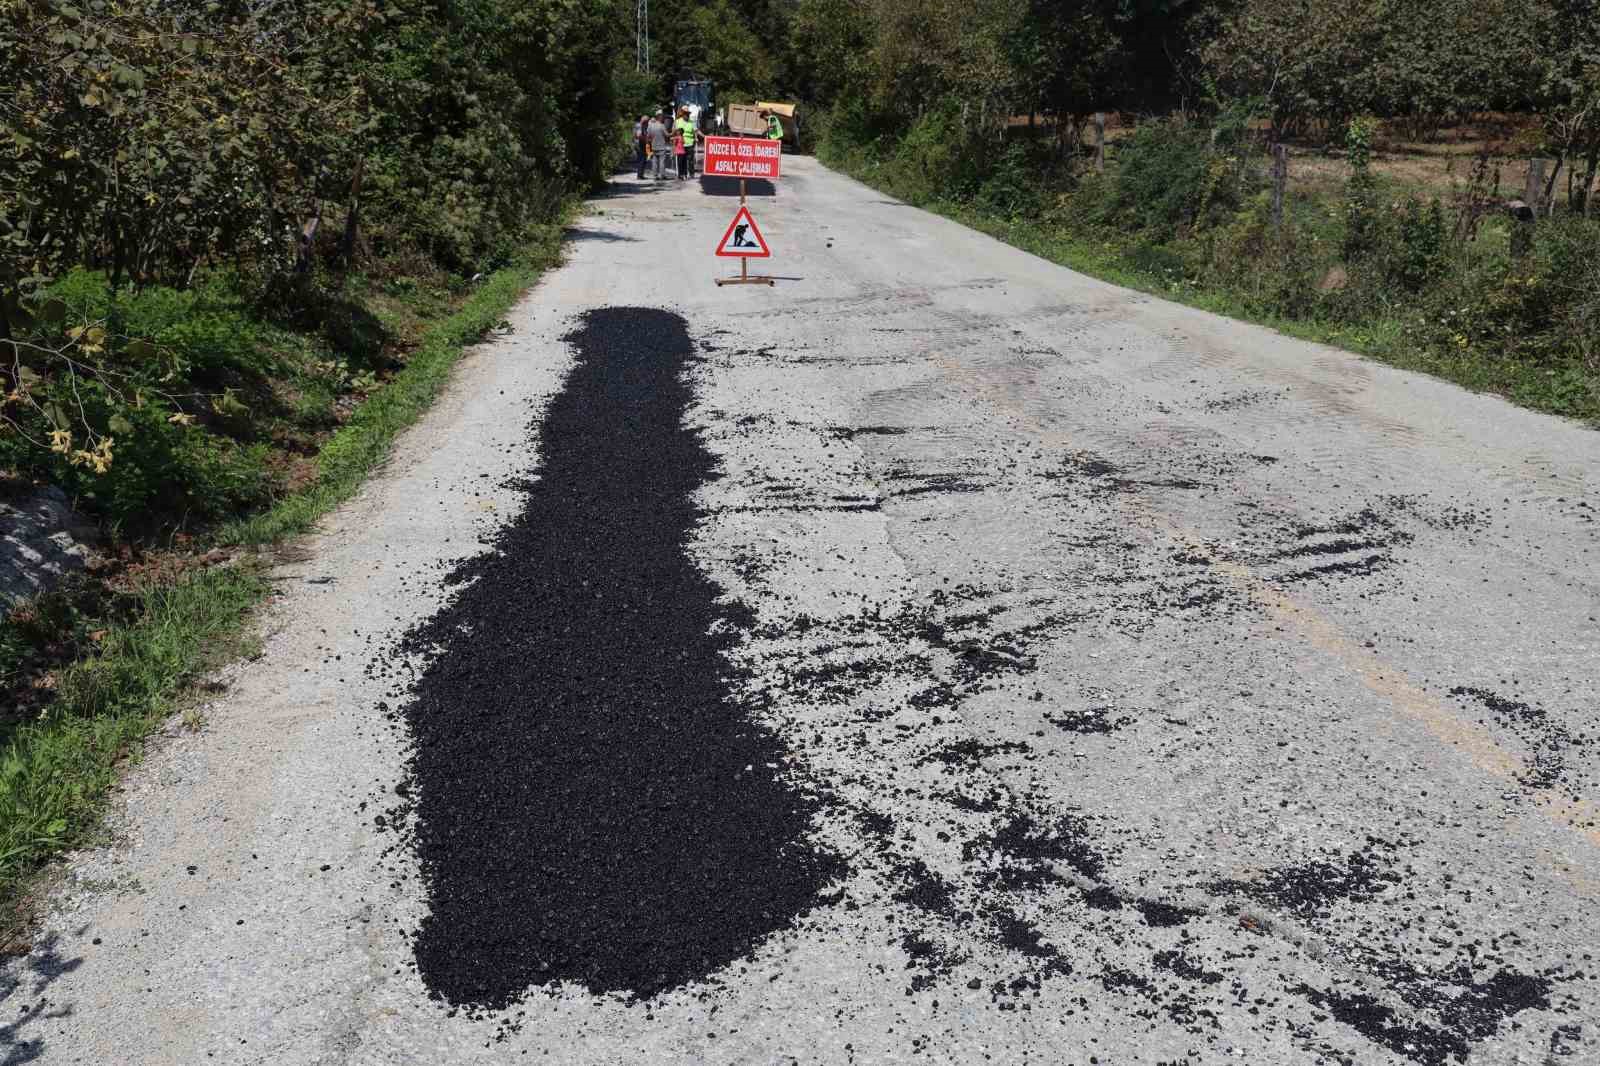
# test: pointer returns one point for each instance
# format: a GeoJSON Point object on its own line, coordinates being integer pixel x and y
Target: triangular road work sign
{"type": "Point", "coordinates": [743, 239]}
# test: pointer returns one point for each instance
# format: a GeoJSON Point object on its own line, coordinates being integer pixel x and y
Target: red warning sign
{"type": "Point", "coordinates": [742, 157]}
{"type": "Point", "coordinates": [743, 239]}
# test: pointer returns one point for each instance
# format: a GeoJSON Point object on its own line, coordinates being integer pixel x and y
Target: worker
{"type": "Point", "coordinates": [774, 126]}
{"type": "Point", "coordinates": [685, 127]}
{"type": "Point", "coordinates": [660, 146]}
{"type": "Point", "coordinates": [641, 143]}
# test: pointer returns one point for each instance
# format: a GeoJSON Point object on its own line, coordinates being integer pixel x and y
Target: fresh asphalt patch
{"type": "Point", "coordinates": [593, 803]}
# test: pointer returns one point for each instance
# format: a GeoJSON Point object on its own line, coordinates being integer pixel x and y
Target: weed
{"type": "Point", "coordinates": [1360, 205]}
{"type": "Point", "coordinates": [56, 768]}
{"type": "Point", "coordinates": [54, 771]}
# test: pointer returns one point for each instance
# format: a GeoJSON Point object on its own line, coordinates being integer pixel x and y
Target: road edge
{"type": "Point", "coordinates": [1077, 255]}
{"type": "Point", "coordinates": [57, 772]}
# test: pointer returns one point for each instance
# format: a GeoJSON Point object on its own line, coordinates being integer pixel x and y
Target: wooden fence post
{"type": "Point", "coordinates": [1099, 142]}
{"type": "Point", "coordinates": [1280, 182]}
{"type": "Point", "coordinates": [1525, 212]}
{"type": "Point", "coordinates": [307, 241]}
{"type": "Point", "coordinates": [1591, 189]}
{"type": "Point", "coordinates": [1534, 195]}
{"type": "Point", "coordinates": [352, 219]}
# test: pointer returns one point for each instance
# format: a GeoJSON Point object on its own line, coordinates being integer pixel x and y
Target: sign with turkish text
{"type": "Point", "coordinates": [742, 157]}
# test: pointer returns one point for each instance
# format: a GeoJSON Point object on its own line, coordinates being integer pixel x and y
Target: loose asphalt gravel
{"type": "Point", "coordinates": [937, 657]}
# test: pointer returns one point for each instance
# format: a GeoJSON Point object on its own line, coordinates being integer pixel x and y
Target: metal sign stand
{"type": "Point", "coordinates": [745, 277]}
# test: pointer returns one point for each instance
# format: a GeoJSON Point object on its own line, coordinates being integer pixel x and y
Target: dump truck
{"type": "Point", "coordinates": [744, 120]}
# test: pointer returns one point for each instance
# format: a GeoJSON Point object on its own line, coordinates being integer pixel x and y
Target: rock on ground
{"type": "Point", "coordinates": [41, 540]}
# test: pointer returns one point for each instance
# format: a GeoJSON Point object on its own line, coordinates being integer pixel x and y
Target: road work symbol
{"type": "Point", "coordinates": [743, 238]}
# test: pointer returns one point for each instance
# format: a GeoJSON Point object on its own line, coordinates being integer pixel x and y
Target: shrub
{"type": "Point", "coordinates": [203, 332]}
{"type": "Point", "coordinates": [849, 133]}
{"type": "Point", "coordinates": [936, 159]}
{"type": "Point", "coordinates": [1081, 209]}
{"type": "Point", "coordinates": [1565, 253]}
{"type": "Point", "coordinates": [1415, 252]}
{"type": "Point", "coordinates": [1272, 270]}
{"type": "Point", "coordinates": [1160, 170]}
{"type": "Point", "coordinates": [1158, 261]}
{"type": "Point", "coordinates": [1169, 180]}
{"type": "Point", "coordinates": [160, 469]}
{"type": "Point", "coordinates": [109, 390]}
{"type": "Point", "coordinates": [1014, 185]}
{"type": "Point", "coordinates": [1542, 310]}
{"type": "Point", "coordinates": [85, 295]}
{"type": "Point", "coordinates": [1360, 205]}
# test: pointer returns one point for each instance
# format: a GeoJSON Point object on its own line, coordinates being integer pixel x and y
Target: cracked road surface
{"type": "Point", "coordinates": [1128, 685]}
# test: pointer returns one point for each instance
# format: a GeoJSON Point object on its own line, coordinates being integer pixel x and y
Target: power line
{"type": "Point", "coordinates": [641, 47]}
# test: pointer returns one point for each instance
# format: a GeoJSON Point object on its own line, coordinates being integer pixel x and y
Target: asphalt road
{"type": "Point", "coordinates": [1128, 685]}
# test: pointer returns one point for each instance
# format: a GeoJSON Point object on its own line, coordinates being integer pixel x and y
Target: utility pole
{"type": "Point", "coordinates": [641, 47]}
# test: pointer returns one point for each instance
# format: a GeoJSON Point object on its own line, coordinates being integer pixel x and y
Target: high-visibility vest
{"type": "Point", "coordinates": [774, 128]}
{"type": "Point", "coordinates": [687, 129]}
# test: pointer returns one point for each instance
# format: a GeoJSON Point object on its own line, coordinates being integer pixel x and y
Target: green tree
{"type": "Point", "coordinates": [709, 39]}
{"type": "Point", "coordinates": [1567, 70]}
{"type": "Point", "coordinates": [1069, 60]}
{"type": "Point", "coordinates": [156, 140]}
{"type": "Point", "coordinates": [1306, 60]}
{"type": "Point", "coordinates": [827, 45]}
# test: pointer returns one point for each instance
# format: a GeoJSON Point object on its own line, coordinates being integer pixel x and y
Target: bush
{"type": "Point", "coordinates": [1015, 185]}
{"type": "Point", "coordinates": [203, 332]}
{"type": "Point", "coordinates": [160, 469]}
{"type": "Point", "coordinates": [111, 390]}
{"type": "Point", "coordinates": [848, 134]}
{"type": "Point", "coordinates": [1360, 206]}
{"type": "Point", "coordinates": [1160, 169]}
{"type": "Point", "coordinates": [1169, 180]}
{"type": "Point", "coordinates": [1543, 310]}
{"type": "Point", "coordinates": [1272, 270]}
{"type": "Point", "coordinates": [1565, 254]}
{"type": "Point", "coordinates": [936, 159]}
{"type": "Point", "coordinates": [149, 139]}
{"type": "Point", "coordinates": [1157, 260]}
{"type": "Point", "coordinates": [939, 157]}
{"type": "Point", "coordinates": [1414, 255]}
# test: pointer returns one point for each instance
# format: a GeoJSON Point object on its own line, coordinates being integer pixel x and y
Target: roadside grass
{"type": "Point", "coordinates": [56, 770]}
{"type": "Point", "coordinates": [1572, 391]}
{"type": "Point", "coordinates": [351, 453]}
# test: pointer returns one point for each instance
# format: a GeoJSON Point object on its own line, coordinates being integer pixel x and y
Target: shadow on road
{"type": "Point", "coordinates": [583, 233]}
{"type": "Point", "coordinates": [623, 184]}
{"type": "Point", "coordinates": [23, 987]}
{"type": "Point", "coordinates": [730, 187]}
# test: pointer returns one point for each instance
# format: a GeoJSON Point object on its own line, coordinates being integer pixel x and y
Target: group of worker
{"type": "Point", "coordinates": [655, 141]}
